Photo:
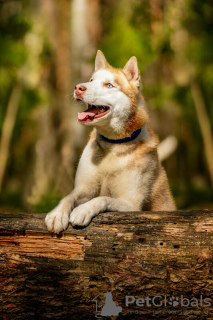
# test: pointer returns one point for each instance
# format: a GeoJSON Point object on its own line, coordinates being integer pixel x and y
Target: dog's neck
{"type": "Point", "coordinates": [134, 135]}
{"type": "Point", "coordinates": [140, 134]}
{"type": "Point", "coordinates": [120, 131]}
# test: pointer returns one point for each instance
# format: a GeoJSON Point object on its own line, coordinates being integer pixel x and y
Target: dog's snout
{"type": "Point", "coordinates": [79, 89]}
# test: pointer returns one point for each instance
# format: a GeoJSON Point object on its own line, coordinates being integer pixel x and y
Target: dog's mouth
{"type": "Point", "coordinates": [93, 112]}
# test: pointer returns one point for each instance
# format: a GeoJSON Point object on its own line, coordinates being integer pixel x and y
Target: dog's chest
{"type": "Point", "coordinates": [113, 175]}
{"type": "Point", "coordinates": [111, 168]}
{"type": "Point", "coordinates": [109, 161]}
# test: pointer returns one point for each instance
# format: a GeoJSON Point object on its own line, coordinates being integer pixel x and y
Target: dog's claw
{"type": "Point", "coordinates": [57, 221]}
{"type": "Point", "coordinates": [81, 216]}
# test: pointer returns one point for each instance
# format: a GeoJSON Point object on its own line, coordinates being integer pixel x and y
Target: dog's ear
{"type": "Point", "coordinates": [131, 70]}
{"type": "Point", "coordinates": [100, 61]}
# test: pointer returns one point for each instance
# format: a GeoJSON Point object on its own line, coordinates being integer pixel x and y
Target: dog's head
{"type": "Point", "coordinates": [113, 97]}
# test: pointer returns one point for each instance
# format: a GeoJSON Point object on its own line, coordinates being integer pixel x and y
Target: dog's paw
{"type": "Point", "coordinates": [81, 216]}
{"type": "Point", "coordinates": [58, 219]}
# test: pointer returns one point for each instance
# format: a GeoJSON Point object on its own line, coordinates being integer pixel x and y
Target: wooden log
{"type": "Point", "coordinates": [132, 256]}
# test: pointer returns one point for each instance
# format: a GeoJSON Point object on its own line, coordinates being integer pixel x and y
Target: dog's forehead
{"type": "Point", "coordinates": [111, 75]}
{"type": "Point", "coordinates": [103, 75]}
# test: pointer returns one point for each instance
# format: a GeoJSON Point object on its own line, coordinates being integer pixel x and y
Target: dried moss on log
{"type": "Point", "coordinates": [48, 276]}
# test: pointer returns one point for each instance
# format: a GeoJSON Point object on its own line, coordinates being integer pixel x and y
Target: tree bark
{"type": "Point", "coordinates": [48, 276]}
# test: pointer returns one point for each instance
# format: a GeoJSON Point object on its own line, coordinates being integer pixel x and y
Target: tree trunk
{"type": "Point", "coordinates": [142, 255]}
{"type": "Point", "coordinates": [54, 122]}
{"type": "Point", "coordinates": [205, 125]}
{"type": "Point", "coordinates": [7, 128]}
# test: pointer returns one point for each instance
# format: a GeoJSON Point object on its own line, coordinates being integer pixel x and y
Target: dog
{"type": "Point", "coordinates": [119, 169]}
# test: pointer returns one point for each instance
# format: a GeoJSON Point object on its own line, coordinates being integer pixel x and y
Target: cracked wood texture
{"type": "Point", "coordinates": [48, 276]}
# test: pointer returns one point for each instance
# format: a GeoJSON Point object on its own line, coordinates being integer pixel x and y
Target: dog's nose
{"type": "Point", "coordinates": [79, 89]}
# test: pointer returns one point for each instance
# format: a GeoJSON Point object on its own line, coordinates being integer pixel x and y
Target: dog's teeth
{"type": "Point", "coordinates": [100, 108]}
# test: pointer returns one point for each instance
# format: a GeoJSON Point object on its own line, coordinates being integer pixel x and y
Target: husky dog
{"type": "Point", "coordinates": [119, 169]}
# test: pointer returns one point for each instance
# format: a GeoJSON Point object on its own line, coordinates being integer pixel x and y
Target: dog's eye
{"type": "Point", "coordinates": [109, 85]}
{"type": "Point", "coordinates": [91, 79]}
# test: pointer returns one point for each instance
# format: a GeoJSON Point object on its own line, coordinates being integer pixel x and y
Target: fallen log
{"type": "Point", "coordinates": [124, 265]}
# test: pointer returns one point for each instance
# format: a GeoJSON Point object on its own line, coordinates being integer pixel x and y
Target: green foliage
{"type": "Point", "coordinates": [126, 38]}
{"type": "Point", "coordinates": [13, 55]}
{"type": "Point", "coordinates": [193, 197]}
{"type": "Point", "coordinates": [15, 27]}
{"type": "Point", "coordinates": [47, 203]}
{"type": "Point", "coordinates": [11, 201]}
{"type": "Point", "coordinates": [31, 98]}
{"type": "Point", "coordinates": [12, 31]}
{"type": "Point", "coordinates": [198, 21]}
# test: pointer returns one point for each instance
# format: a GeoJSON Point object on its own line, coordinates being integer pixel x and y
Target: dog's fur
{"type": "Point", "coordinates": [114, 176]}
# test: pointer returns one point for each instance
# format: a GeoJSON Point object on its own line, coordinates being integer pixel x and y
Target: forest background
{"type": "Point", "coordinates": [48, 46]}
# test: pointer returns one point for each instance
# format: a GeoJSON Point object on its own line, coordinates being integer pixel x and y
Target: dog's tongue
{"type": "Point", "coordinates": [88, 115]}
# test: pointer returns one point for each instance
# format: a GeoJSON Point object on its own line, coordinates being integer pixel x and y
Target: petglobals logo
{"type": "Point", "coordinates": [105, 306]}
{"type": "Point", "coordinates": [163, 301]}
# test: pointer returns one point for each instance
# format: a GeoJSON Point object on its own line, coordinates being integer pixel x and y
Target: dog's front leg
{"type": "Point", "coordinates": [58, 219]}
{"type": "Point", "coordinates": [84, 213]}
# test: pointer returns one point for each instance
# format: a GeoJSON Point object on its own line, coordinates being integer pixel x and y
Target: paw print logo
{"type": "Point", "coordinates": [173, 301]}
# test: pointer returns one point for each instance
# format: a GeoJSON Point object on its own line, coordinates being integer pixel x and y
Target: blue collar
{"type": "Point", "coordinates": [133, 136]}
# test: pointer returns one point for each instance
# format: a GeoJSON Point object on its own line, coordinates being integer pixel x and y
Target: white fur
{"type": "Point", "coordinates": [97, 93]}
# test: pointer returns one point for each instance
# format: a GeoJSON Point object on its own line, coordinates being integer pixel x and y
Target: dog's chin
{"type": "Point", "coordinates": [93, 114]}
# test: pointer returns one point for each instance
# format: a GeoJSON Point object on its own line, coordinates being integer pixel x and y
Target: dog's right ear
{"type": "Point", "coordinates": [100, 61]}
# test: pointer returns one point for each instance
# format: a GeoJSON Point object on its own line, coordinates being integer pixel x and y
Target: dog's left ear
{"type": "Point", "coordinates": [100, 61]}
{"type": "Point", "coordinates": [131, 71]}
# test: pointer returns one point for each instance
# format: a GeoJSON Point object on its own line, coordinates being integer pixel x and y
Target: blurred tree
{"type": "Point", "coordinates": [53, 163]}
{"type": "Point", "coordinates": [72, 29]}
{"type": "Point", "coordinates": [192, 57]}
{"type": "Point", "coordinates": [182, 42]}
{"type": "Point", "coordinates": [13, 56]}
{"type": "Point", "coordinates": [7, 128]}
{"type": "Point", "coordinates": [14, 72]}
